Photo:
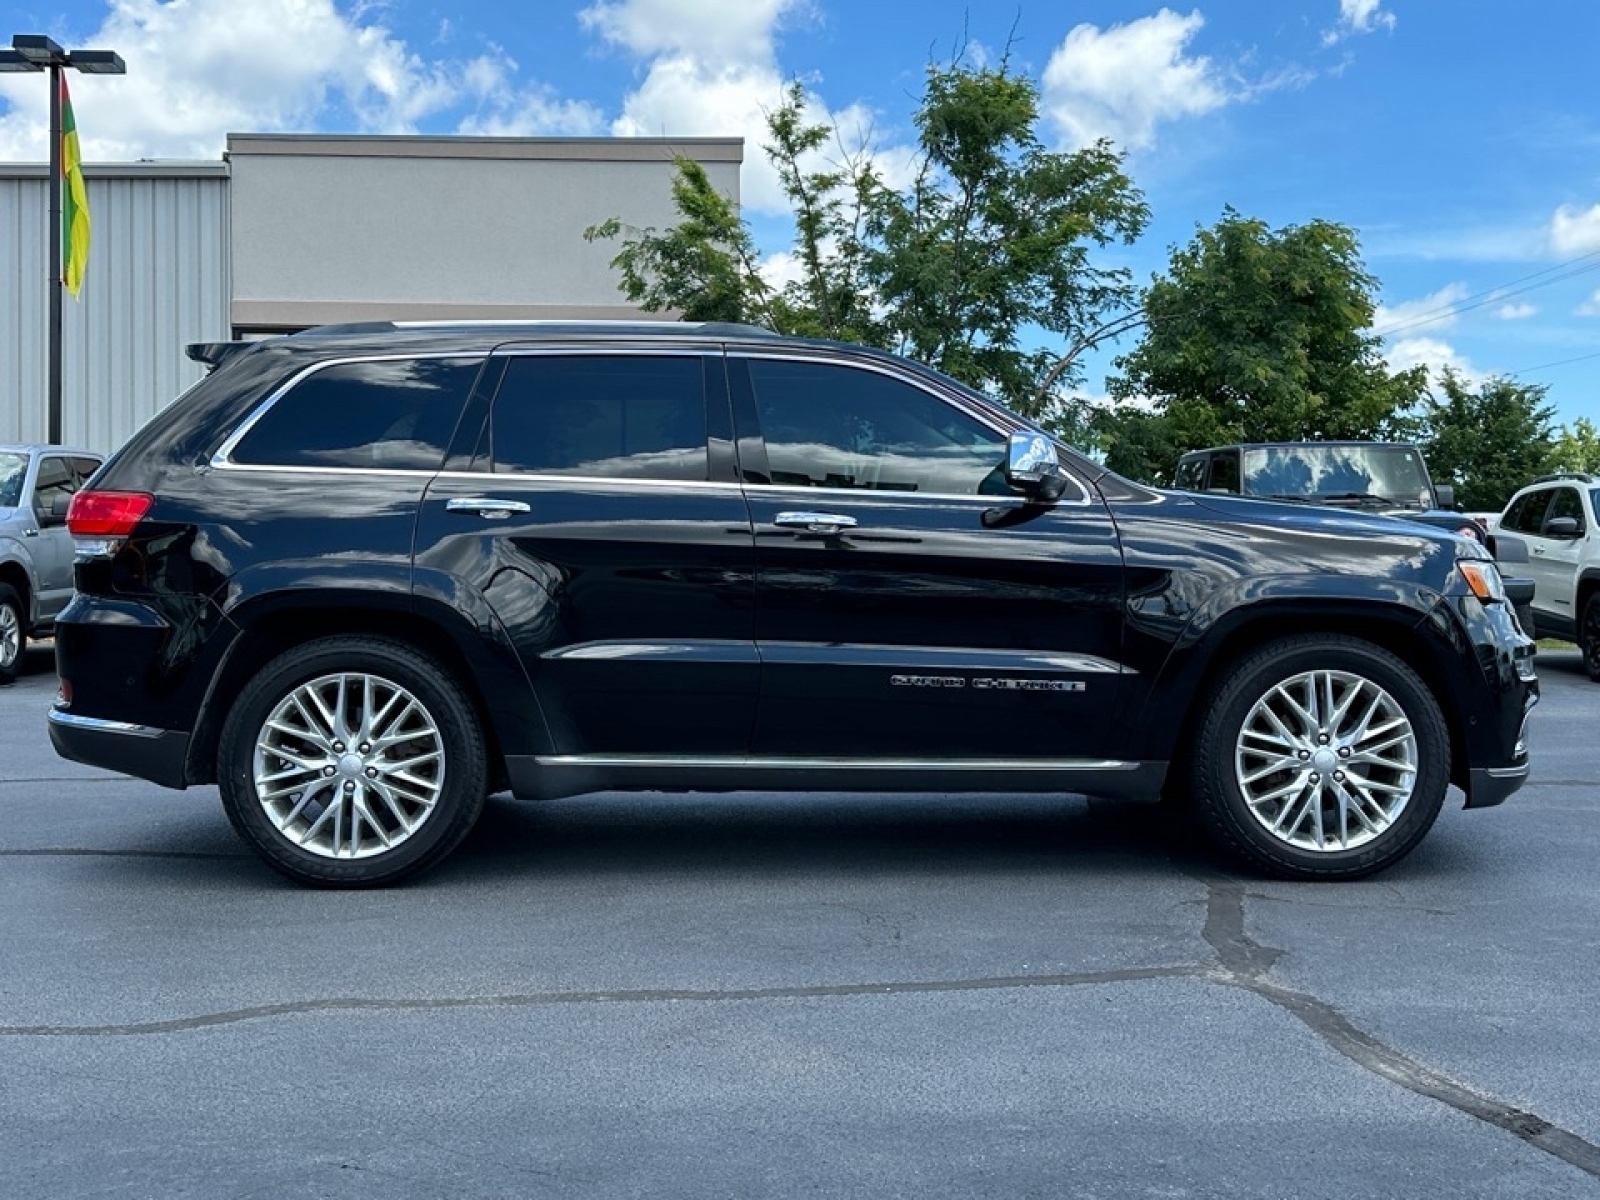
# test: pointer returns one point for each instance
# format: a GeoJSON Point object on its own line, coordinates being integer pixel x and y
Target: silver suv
{"type": "Point", "coordinates": [1559, 517]}
{"type": "Point", "coordinates": [35, 548]}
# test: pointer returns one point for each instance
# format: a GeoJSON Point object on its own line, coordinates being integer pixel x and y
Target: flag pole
{"type": "Point", "coordinates": [53, 376]}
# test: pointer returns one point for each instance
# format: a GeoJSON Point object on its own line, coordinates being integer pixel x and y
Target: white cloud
{"type": "Point", "coordinates": [1519, 311]}
{"type": "Point", "coordinates": [1575, 231]}
{"type": "Point", "coordinates": [711, 31]}
{"type": "Point", "coordinates": [712, 71]}
{"type": "Point", "coordinates": [1358, 16]}
{"type": "Point", "coordinates": [1437, 310]}
{"type": "Point", "coordinates": [1434, 354]}
{"type": "Point", "coordinates": [1590, 307]}
{"type": "Point", "coordinates": [1121, 82]}
{"type": "Point", "coordinates": [200, 69]}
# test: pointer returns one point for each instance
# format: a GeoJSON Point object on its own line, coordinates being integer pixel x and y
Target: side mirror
{"type": "Point", "coordinates": [1561, 527]}
{"type": "Point", "coordinates": [1445, 495]}
{"type": "Point", "coordinates": [56, 514]}
{"type": "Point", "coordinates": [1507, 549]}
{"type": "Point", "coordinates": [1033, 467]}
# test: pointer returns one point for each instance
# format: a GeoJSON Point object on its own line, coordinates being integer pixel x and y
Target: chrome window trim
{"type": "Point", "coordinates": [888, 371]}
{"type": "Point", "coordinates": [223, 458]}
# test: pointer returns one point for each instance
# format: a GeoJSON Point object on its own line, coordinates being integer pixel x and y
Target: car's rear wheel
{"type": "Point", "coordinates": [13, 632]}
{"type": "Point", "coordinates": [1589, 635]}
{"type": "Point", "coordinates": [352, 762]}
{"type": "Point", "coordinates": [1321, 758]}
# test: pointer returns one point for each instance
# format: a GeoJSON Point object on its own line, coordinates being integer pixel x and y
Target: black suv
{"type": "Point", "coordinates": [363, 576]}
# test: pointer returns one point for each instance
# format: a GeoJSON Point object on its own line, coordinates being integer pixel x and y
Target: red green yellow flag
{"type": "Point", "coordinates": [74, 200]}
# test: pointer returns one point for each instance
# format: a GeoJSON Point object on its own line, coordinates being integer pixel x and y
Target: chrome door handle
{"type": "Point", "coordinates": [814, 522]}
{"type": "Point", "coordinates": [486, 506]}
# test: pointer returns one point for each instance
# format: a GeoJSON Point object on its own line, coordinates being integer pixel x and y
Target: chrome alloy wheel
{"type": "Point", "coordinates": [349, 765]}
{"type": "Point", "coordinates": [1326, 761]}
{"type": "Point", "coordinates": [10, 636]}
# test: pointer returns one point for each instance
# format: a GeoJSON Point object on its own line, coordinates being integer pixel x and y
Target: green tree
{"type": "Point", "coordinates": [1577, 448]}
{"type": "Point", "coordinates": [1262, 335]}
{"type": "Point", "coordinates": [1138, 445]}
{"type": "Point", "coordinates": [1488, 441]}
{"type": "Point", "coordinates": [988, 249]}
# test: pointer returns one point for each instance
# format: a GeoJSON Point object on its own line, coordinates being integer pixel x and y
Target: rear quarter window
{"type": "Point", "coordinates": [395, 414]}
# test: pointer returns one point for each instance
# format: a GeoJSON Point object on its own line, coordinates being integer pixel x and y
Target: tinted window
{"type": "Point", "coordinates": [1224, 472]}
{"type": "Point", "coordinates": [845, 427]}
{"type": "Point", "coordinates": [1567, 503]}
{"type": "Point", "coordinates": [1191, 474]}
{"type": "Point", "coordinates": [398, 414]}
{"type": "Point", "coordinates": [54, 479]}
{"type": "Point", "coordinates": [82, 468]}
{"type": "Point", "coordinates": [621, 417]}
{"type": "Point", "coordinates": [1527, 514]}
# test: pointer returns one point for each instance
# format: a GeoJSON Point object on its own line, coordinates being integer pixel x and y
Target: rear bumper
{"type": "Point", "coordinates": [138, 750]}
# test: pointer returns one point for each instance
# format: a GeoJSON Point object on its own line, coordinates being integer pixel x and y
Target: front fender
{"type": "Point", "coordinates": [1247, 611]}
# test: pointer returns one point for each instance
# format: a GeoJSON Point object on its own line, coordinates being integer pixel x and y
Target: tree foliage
{"type": "Point", "coordinates": [1261, 335]}
{"type": "Point", "coordinates": [1488, 442]}
{"type": "Point", "coordinates": [988, 247]}
{"type": "Point", "coordinates": [1577, 448]}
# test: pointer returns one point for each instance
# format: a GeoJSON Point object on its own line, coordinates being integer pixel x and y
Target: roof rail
{"type": "Point", "coordinates": [214, 354]}
{"type": "Point", "coordinates": [1580, 476]}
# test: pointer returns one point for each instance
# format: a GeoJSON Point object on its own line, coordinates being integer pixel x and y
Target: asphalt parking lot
{"type": "Point", "coordinates": [760, 995]}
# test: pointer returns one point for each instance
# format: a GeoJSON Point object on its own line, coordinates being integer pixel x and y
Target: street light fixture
{"type": "Point", "coordinates": [35, 52]}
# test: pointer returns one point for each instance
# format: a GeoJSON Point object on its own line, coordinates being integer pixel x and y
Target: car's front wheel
{"type": "Point", "coordinates": [13, 632]}
{"type": "Point", "coordinates": [1321, 758]}
{"type": "Point", "coordinates": [1589, 635]}
{"type": "Point", "coordinates": [352, 762]}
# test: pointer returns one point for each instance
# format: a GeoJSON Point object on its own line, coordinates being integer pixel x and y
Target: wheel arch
{"type": "Point", "coordinates": [268, 628]}
{"type": "Point", "coordinates": [16, 574]}
{"type": "Point", "coordinates": [1399, 630]}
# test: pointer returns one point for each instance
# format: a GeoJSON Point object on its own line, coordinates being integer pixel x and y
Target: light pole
{"type": "Point", "coordinates": [35, 52]}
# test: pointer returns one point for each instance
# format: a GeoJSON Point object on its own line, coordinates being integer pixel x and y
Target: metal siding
{"type": "Point", "coordinates": [157, 280]}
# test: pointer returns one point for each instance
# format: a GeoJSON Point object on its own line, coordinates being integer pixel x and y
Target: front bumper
{"type": "Point", "coordinates": [138, 750]}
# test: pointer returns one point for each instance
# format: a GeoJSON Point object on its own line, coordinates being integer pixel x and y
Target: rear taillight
{"type": "Point", "coordinates": [106, 514]}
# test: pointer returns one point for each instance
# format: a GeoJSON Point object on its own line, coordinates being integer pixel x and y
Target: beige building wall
{"type": "Point", "coordinates": [332, 229]}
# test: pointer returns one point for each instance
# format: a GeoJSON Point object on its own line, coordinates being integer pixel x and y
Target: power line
{"type": "Point", "coordinates": [1501, 292]}
{"type": "Point", "coordinates": [1550, 366]}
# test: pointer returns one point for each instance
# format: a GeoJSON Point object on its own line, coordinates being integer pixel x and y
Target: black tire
{"type": "Point", "coordinates": [13, 633]}
{"type": "Point", "coordinates": [1227, 759]}
{"type": "Point", "coordinates": [442, 728]}
{"type": "Point", "coordinates": [1589, 635]}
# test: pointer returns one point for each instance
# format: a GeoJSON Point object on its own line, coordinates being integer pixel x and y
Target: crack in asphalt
{"type": "Point", "coordinates": [1245, 963]}
{"type": "Point", "coordinates": [1242, 963]}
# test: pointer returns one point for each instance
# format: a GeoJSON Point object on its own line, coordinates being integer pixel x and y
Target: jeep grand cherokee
{"type": "Point", "coordinates": [361, 577]}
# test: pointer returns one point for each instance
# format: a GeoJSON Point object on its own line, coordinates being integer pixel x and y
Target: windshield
{"type": "Point", "coordinates": [13, 467]}
{"type": "Point", "coordinates": [1329, 472]}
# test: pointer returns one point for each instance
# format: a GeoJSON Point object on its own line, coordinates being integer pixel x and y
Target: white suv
{"type": "Point", "coordinates": [1559, 517]}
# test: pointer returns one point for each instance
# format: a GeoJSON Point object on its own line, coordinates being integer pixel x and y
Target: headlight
{"type": "Point", "coordinates": [1482, 578]}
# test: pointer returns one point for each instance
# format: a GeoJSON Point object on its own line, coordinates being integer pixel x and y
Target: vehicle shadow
{"type": "Point", "coordinates": [778, 834]}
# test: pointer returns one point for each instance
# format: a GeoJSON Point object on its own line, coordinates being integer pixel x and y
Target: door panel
{"type": "Point", "coordinates": [621, 574]}
{"type": "Point", "coordinates": [51, 547]}
{"type": "Point", "coordinates": [908, 621]}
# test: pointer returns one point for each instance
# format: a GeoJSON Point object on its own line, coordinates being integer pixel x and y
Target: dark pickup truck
{"type": "Point", "coordinates": [1390, 478]}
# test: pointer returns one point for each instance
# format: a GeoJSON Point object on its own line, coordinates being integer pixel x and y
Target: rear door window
{"type": "Point", "coordinates": [394, 414]}
{"type": "Point", "coordinates": [622, 416]}
{"type": "Point", "coordinates": [1526, 515]}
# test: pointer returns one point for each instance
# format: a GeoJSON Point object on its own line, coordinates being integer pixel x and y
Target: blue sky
{"type": "Point", "coordinates": [1459, 138]}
